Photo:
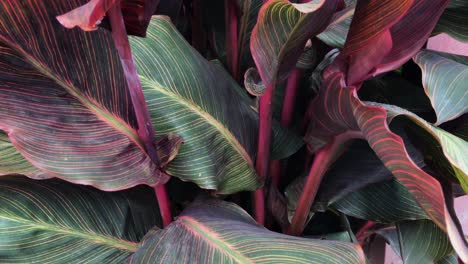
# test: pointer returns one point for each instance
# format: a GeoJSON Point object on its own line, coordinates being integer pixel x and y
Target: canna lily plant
{"type": "Point", "coordinates": [236, 131]}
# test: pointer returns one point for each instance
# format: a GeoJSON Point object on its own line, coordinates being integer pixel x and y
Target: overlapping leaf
{"type": "Point", "coordinates": [445, 78]}
{"type": "Point", "coordinates": [249, 13]}
{"type": "Point", "coordinates": [65, 103]}
{"type": "Point", "coordinates": [56, 222]}
{"type": "Point", "coordinates": [386, 33]}
{"type": "Point", "coordinates": [200, 102]}
{"type": "Point", "coordinates": [453, 20]}
{"type": "Point", "coordinates": [136, 13]}
{"type": "Point", "coordinates": [383, 202]}
{"type": "Point", "coordinates": [281, 33]}
{"type": "Point", "coordinates": [419, 242]}
{"type": "Point", "coordinates": [221, 232]}
{"type": "Point", "coordinates": [446, 145]}
{"type": "Point", "coordinates": [337, 110]}
{"type": "Point", "coordinates": [335, 34]}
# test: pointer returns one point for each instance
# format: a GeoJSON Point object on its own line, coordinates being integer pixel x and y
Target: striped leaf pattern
{"type": "Point", "coordinates": [53, 221]}
{"type": "Point", "coordinates": [65, 103]}
{"type": "Point", "coordinates": [444, 80]}
{"type": "Point", "coordinates": [136, 13]}
{"type": "Point", "coordinates": [11, 161]}
{"type": "Point", "coordinates": [281, 32]}
{"type": "Point", "coordinates": [337, 109]}
{"type": "Point", "coordinates": [335, 34]}
{"type": "Point", "coordinates": [220, 232]}
{"type": "Point", "coordinates": [448, 145]}
{"type": "Point", "coordinates": [383, 202]}
{"type": "Point", "coordinates": [386, 33]}
{"type": "Point", "coordinates": [453, 20]}
{"type": "Point", "coordinates": [249, 10]}
{"type": "Point", "coordinates": [419, 242]}
{"type": "Point", "coordinates": [200, 102]}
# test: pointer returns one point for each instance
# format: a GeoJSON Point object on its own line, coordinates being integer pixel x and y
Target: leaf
{"type": "Point", "coordinates": [453, 20]}
{"type": "Point", "coordinates": [453, 148]}
{"type": "Point", "coordinates": [249, 12]}
{"type": "Point", "coordinates": [335, 34]}
{"type": "Point", "coordinates": [200, 102]}
{"type": "Point", "coordinates": [56, 222]}
{"type": "Point", "coordinates": [137, 15]}
{"type": "Point", "coordinates": [444, 82]}
{"type": "Point", "coordinates": [11, 161]}
{"type": "Point", "coordinates": [338, 110]}
{"type": "Point", "coordinates": [418, 241]}
{"type": "Point", "coordinates": [65, 103]}
{"type": "Point", "coordinates": [383, 35]}
{"type": "Point", "coordinates": [220, 232]}
{"type": "Point", "coordinates": [383, 202]}
{"type": "Point", "coordinates": [286, 27]}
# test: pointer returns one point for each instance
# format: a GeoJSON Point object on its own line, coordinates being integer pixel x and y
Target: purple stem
{"type": "Point", "coordinates": [323, 159]}
{"type": "Point", "coordinates": [145, 127]}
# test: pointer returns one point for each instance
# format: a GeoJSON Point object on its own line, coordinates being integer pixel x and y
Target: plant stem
{"type": "Point", "coordinates": [145, 127]}
{"type": "Point", "coordinates": [263, 150]}
{"type": "Point", "coordinates": [290, 97]}
{"type": "Point", "coordinates": [323, 159]}
{"type": "Point", "coordinates": [164, 204]}
{"type": "Point", "coordinates": [361, 233]}
{"type": "Point", "coordinates": [232, 45]}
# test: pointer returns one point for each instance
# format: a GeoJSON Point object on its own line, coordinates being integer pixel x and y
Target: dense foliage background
{"type": "Point", "coordinates": [271, 131]}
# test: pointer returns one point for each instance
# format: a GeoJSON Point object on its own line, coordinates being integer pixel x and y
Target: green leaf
{"type": "Point", "coordinates": [215, 231]}
{"type": "Point", "coordinates": [286, 27]}
{"type": "Point", "coordinates": [453, 20]}
{"type": "Point", "coordinates": [335, 34]}
{"type": "Point", "coordinates": [199, 101]}
{"type": "Point", "coordinates": [419, 241]}
{"type": "Point", "coordinates": [11, 161]}
{"type": "Point", "coordinates": [444, 80]}
{"type": "Point", "coordinates": [53, 221]}
{"type": "Point", "coordinates": [384, 202]}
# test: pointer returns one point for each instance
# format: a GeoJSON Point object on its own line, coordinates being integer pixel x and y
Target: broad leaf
{"type": "Point", "coordinates": [53, 221]}
{"type": "Point", "coordinates": [386, 33]}
{"type": "Point", "coordinates": [383, 202]}
{"type": "Point", "coordinates": [200, 102]}
{"type": "Point", "coordinates": [444, 78]}
{"type": "Point", "coordinates": [335, 34]}
{"type": "Point", "coordinates": [221, 232]}
{"type": "Point", "coordinates": [453, 20]}
{"type": "Point", "coordinates": [337, 110]}
{"type": "Point", "coordinates": [136, 13]}
{"type": "Point", "coordinates": [419, 242]}
{"type": "Point", "coordinates": [285, 28]}
{"type": "Point", "coordinates": [438, 143]}
{"type": "Point", "coordinates": [65, 103]}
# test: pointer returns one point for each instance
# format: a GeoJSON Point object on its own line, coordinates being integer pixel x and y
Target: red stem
{"type": "Point", "coordinates": [290, 97]}
{"type": "Point", "coordinates": [263, 151]}
{"type": "Point", "coordinates": [145, 126]}
{"type": "Point", "coordinates": [360, 235]}
{"type": "Point", "coordinates": [286, 118]}
{"type": "Point", "coordinates": [232, 45]}
{"type": "Point", "coordinates": [164, 204]}
{"type": "Point", "coordinates": [323, 159]}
